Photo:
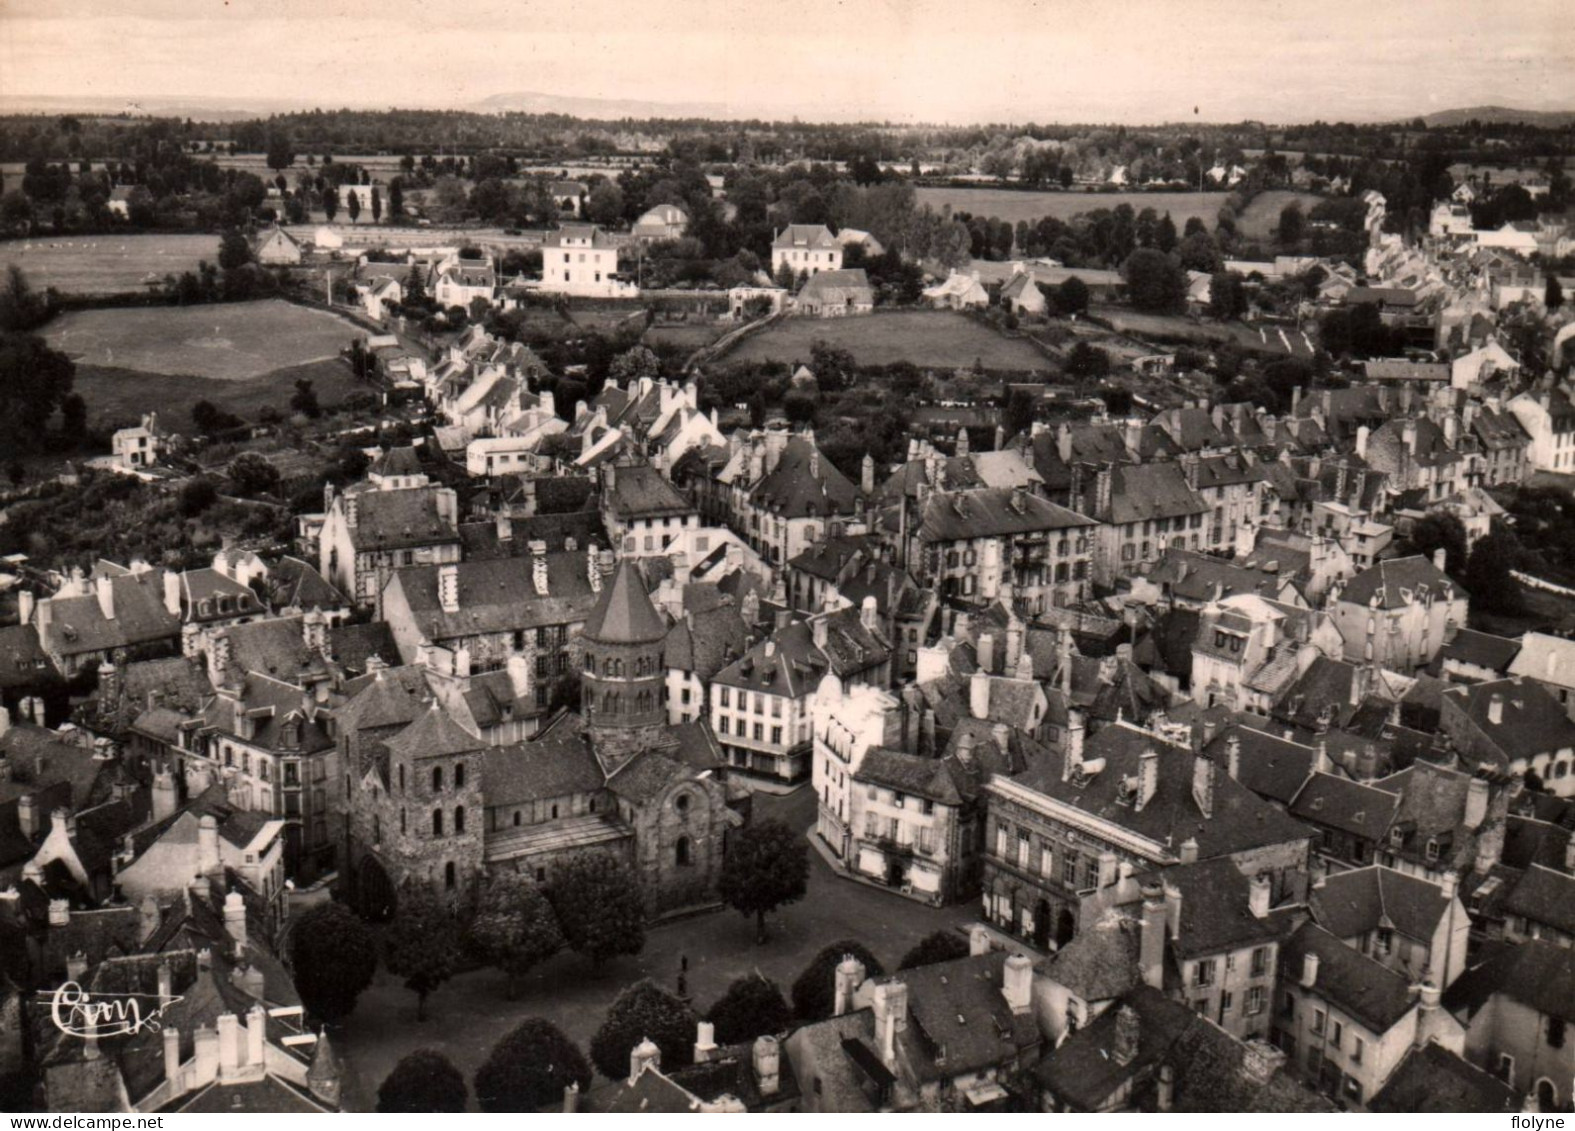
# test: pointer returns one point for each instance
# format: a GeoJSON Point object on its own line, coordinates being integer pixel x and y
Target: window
{"type": "Point", "coordinates": [776, 736]}
{"type": "Point", "coordinates": [1046, 861]}
{"type": "Point", "coordinates": [1227, 1002]}
{"type": "Point", "coordinates": [1336, 1034]}
{"type": "Point", "coordinates": [449, 876]}
{"type": "Point", "coordinates": [1432, 850]}
{"type": "Point", "coordinates": [459, 819]}
{"type": "Point", "coordinates": [1319, 1019]}
{"type": "Point", "coordinates": [1254, 1000]}
{"type": "Point", "coordinates": [1203, 973]}
{"type": "Point", "coordinates": [459, 776]}
{"type": "Point", "coordinates": [1069, 869]}
{"type": "Point", "coordinates": [437, 779]}
{"type": "Point", "coordinates": [727, 697]}
{"type": "Point", "coordinates": [928, 807]}
{"type": "Point", "coordinates": [1000, 838]}
{"type": "Point", "coordinates": [724, 725]}
{"type": "Point", "coordinates": [1384, 940]}
{"type": "Point", "coordinates": [1260, 961]}
{"type": "Point", "coordinates": [1357, 1046]}
{"type": "Point", "coordinates": [437, 822]}
{"type": "Point", "coordinates": [758, 732]}
{"type": "Point", "coordinates": [681, 852]}
{"type": "Point", "coordinates": [1022, 850]}
{"type": "Point", "coordinates": [1506, 1069]}
{"type": "Point", "coordinates": [1555, 1032]}
{"type": "Point", "coordinates": [900, 800]}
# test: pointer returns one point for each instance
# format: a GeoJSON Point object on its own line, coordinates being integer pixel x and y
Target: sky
{"type": "Point", "coordinates": [1129, 61]}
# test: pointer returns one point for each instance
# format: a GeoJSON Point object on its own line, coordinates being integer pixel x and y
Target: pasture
{"type": "Point", "coordinates": [117, 397]}
{"type": "Point", "coordinates": [937, 339]}
{"type": "Point", "coordinates": [224, 341]}
{"type": "Point", "coordinates": [1005, 204]}
{"type": "Point", "coordinates": [106, 263]}
{"type": "Point", "coordinates": [1261, 217]}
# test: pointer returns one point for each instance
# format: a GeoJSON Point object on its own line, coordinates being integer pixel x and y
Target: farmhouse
{"type": "Point", "coordinates": [664, 222]}
{"type": "Point", "coordinates": [581, 259]}
{"type": "Point", "coordinates": [277, 246]}
{"type": "Point", "coordinates": [959, 291]}
{"type": "Point", "coordinates": [139, 447]}
{"type": "Point", "coordinates": [833, 294]}
{"type": "Point", "coordinates": [1022, 295]}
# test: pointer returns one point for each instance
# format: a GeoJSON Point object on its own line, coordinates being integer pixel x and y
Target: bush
{"type": "Point", "coordinates": [425, 1082]}
{"type": "Point", "coordinates": [938, 946]}
{"type": "Point", "coordinates": [530, 1068]}
{"type": "Point", "coordinates": [644, 1010]}
{"type": "Point", "coordinates": [334, 957]}
{"type": "Point", "coordinates": [752, 1006]}
{"type": "Point", "coordinates": [197, 496]}
{"type": "Point", "coordinates": [814, 992]}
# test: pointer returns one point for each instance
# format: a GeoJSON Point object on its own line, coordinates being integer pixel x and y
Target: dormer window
{"type": "Point", "coordinates": [1432, 849]}
{"type": "Point", "coordinates": [1396, 836]}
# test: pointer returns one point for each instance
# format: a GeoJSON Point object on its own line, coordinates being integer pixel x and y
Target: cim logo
{"type": "Point", "coordinates": [78, 1013]}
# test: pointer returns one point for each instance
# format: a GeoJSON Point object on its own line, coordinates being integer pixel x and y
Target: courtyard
{"type": "Point", "coordinates": [468, 1015]}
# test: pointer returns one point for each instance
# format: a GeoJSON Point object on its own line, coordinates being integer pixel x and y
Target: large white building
{"type": "Point", "coordinates": [806, 249]}
{"type": "Point", "coordinates": [580, 259]}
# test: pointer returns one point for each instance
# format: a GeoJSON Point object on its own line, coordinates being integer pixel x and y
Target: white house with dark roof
{"type": "Point", "coordinates": [806, 249]}
{"type": "Point", "coordinates": [582, 259]}
{"type": "Point", "coordinates": [663, 222]}
{"type": "Point", "coordinates": [368, 533]}
{"type": "Point", "coordinates": [1550, 661]}
{"type": "Point", "coordinates": [1398, 613]}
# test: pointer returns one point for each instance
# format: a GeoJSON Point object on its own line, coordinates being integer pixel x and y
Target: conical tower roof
{"type": "Point", "coordinates": [625, 615]}
{"type": "Point", "coordinates": [433, 735]}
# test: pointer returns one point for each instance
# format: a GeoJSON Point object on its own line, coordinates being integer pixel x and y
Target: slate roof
{"type": "Point", "coordinates": [841, 1082]}
{"type": "Point", "coordinates": [959, 1022]}
{"type": "Point", "coordinates": [399, 519]}
{"type": "Point", "coordinates": [1543, 895]}
{"type": "Point", "coordinates": [499, 595]}
{"type": "Point", "coordinates": [1272, 767]}
{"type": "Point", "coordinates": [73, 626]}
{"type": "Point", "coordinates": [1348, 806]}
{"type": "Point", "coordinates": [433, 734]}
{"type": "Point", "coordinates": [1216, 912]}
{"type": "Point", "coordinates": [1545, 657]}
{"type": "Point", "coordinates": [1151, 490]}
{"type": "Point", "coordinates": [1352, 903]}
{"type": "Point", "coordinates": [558, 764]}
{"type": "Point", "coordinates": [705, 642]}
{"type": "Point", "coordinates": [1396, 581]}
{"type": "Point", "coordinates": [624, 613]}
{"type": "Point", "coordinates": [1433, 1080]}
{"type": "Point", "coordinates": [1484, 650]}
{"type": "Point", "coordinates": [640, 491]}
{"type": "Point", "coordinates": [804, 484]}
{"type": "Point", "coordinates": [990, 512]}
{"type": "Point", "coordinates": [1536, 973]}
{"type": "Point", "coordinates": [850, 284]}
{"type": "Point", "coordinates": [929, 778]}
{"type": "Point", "coordinates": [1369, 991]}
{"type": "Point", "coordinates": [1195, 576]}
{"type": "Point", "coordinates": [1240, 819]}
{"type": "Point", "coordinates": [647, 775]}
{"type": "Point", "coordinates": [23, 661]}
{"type": "Point", "coordinates": [1532, 721]}
{"type": "Point", "coordinates": [1101, 960]}
{"type": "Point", "coordinates": [815, 237]}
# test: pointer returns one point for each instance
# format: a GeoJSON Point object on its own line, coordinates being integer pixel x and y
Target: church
{"type": "Point", "coordinates": [426, 801]}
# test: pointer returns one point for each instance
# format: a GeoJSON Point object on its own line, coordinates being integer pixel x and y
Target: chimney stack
{"type": "Point", "coordinates": [1259, 892]}
{"type": "Point", "coordinates": [1496, 709]}
{"type": "Point", "coordinates": [104, 589]}
{"type": "Point", "coordinates": [849, 977]}
{"type": "Point", "coordinates": [1124, 1048]}
{"type": "Point", "coordinates": [1151, 945]}
{"type": "Point", "coordinates": [1148, 778]}
{"type": "Point", "coordinates": [891, 1018]}
{"type": "Point", "coordinates": [1017, 983]}
{"type": "Point", "coordinates": [644, 1055]}
{"type": "Point", "coordinates": [705, 1042]}
{"type": "Point", "coordinates": [448, 587]}
{"type": "Point", "coordinates": [1309, 970]}
{"type": "Point", "coordinates": [767, 1055]}
{"type": "Point", "coordinates": [207, 845]}
{"type": "Point", "coordinates": [1476, 803]}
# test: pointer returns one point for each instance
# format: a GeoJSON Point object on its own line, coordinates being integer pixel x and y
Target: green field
{"type": "Point", "coordinates": [1005, 204]}
{"type": "Point", "coordinates": [106, 264]}
{"type": "Point", "coordinates": [1261, 217]}
{"type": "Point", "coordinates": [117, 397]}
{"type": "Point", "coordinates": [227, 341]}
{"type": "Point", "coordinates": [928, 338]}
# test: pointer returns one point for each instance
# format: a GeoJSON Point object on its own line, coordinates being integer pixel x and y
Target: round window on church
{"type": "Point", "coordinates": [681, 803]}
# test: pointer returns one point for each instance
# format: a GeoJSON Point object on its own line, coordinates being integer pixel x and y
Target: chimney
{"type": "Point", "coordinates": [1014, 645]}
{"type": "Point", "coordinates": [1438, 559]}
{"type": "Point", "coordinates": [1188, 852]}
{"type": "Point", "coordinates": [1476, 803]}
{"type": "Point", "coordinates": [767, 1054]}
{"type": "Point", "coordinates": [207, 845]}
{"type": "Point", "coordinates": [27, 815]}
{"type": "Point", "coordinates": [571, 1097]}
{"type": "Point", "coordinates": [1203, 783]}
{"type": "Point", "coordinates": [352, 511]}
{"type": "Point", "coordinates": [256, 1035]}
{"type": "Point", "coordinates": [76, 966]}
{"type": "Point", "coordinates": [644, 1055]}
{"type": "Point", "coordinates": [59, 912]}
{"type": "Point", "coordinates": [1309, 970]}
{"type": "Point", "coordinates": [705, 1041]}
{"type": "Point", "coordinates": [1165, 1090]}
{"type": "Point", "coordinates": [891, 1018]}
{"type": "Point", "coordinates": [1428, 999]}
{"type": "Point", "coordinates": [1124, 1049]}
{"type": "Point", "coordinates": [1362, 434]}
{"type": "Point", "coordinates": [1075, 732]}
{"type": "Point", "coordinates": [148, 921]}
{"type": "Point", "coordinates": [979, 936]}
{"type": "Point", "coordinates": [986, 653]}
{"type": "Point", "coordinates": [172, 1070]}
{"type": "Point", "coordinates": [1017, 983]}
{"type": "Point", "coordinates": [1408, 435]}
{"type": "Point", "coordinates": [1148, 778]}
{"type": "Point", "coordinates": [229, 1044]}
{"type": "Point", "coordinates": [979, 695]}
{"type": "Point", "coordinates": [1258, 892]}
{"type": "Point", "coordinates": [1496, 709]}
{"type": "Point", "coordinates": [869, 614]}
{"type": "Point", "coordinates": [235, 920]}
{"type": "Point", "coordinates": [1172, 910]}
{"type": "Point", "coordinates": [104, 589]}
{"type": "Point", "coordinates": [1569, 855]}
{"type": "Point", "coordinates": [867, 475]}
{"type": "Point", "coordinates": [206, 1057]}
{"type": "Point", "coordinates": [964, 751]}
{"type": "Point", "coordinates": [172, 592]}
{"type": "Point", "coordinates": [25, 603]}
{"type": "Point", "coordinates": [448, 587]}
{"type": "Point", "coordinates": [1233, 757]}
{"type": "Point", "coordinates": [1109, 871]}
{"type": "Point", "coordinates": [519, 676]}
{"type": "Point", "coordinates": [849, 976]}
{"type": "Point", "coordinates": [1151, 944]}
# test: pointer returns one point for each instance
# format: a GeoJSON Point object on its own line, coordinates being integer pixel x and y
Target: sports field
{"type": "Point", "coordinates": [227, 341]}
{"type": "Point", "coordinates": [1006, 204]}
{"type": "Point", "coordinates": [928, 338]}
{"type": "Point", "coordinates": [106, 264]}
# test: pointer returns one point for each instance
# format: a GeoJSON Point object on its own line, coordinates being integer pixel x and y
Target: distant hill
{"type": "Point", "coordinates": [606, 109]}
{"type": "Point", "coordinates": [1500, 115]}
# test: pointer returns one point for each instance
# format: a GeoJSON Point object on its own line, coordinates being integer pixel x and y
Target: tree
{"type": "Point", "coordinates": [1155, 282]}
{"type": "Point", "coordinates": [425, 1082]}
{"type": "Point", "coordinates": [1227, 296]}
{"type": "Point", "coordinates": [1087, 362]}
{"type": "Point", "coordinates": [766, 867]}
{"type": "Point", "coordinates": [197, 495]}
{"type": "Point", "coordinates": [353, 206]}
{"type": "Point", "coordinates": [235, 250]}
{"type": "Point", "coordinates": [1553, 293]}
{"type": "Point", "coordinates": [633, 364]}
{"type": "Point", "coordinates": [251, 475]}
{"type": "Point", "coordinates": [415, 286]}
{"type": "Point", "coordinates": [516, 928]}
{"type": "Point", "coordinates": [1440, 530]}
{"type": "Point", "coordinates": [21, 308]}
{"type": "Point", "coordinates": [642, 1011]}
{"type": "Point", "coordinates": [377, 204]}
{"type": "Point", "coordinates": [599, 907]}
{"type": "Point", "coordinates": [330, 202]}
{"type": "Point", "coordinates": [304, 399]}
{"type": "Point", "coordinates": [1293, 225]}
{"type": "Point", "coordinates": [1021, 409]}
{"type": "Point", "coordinates": [1165, 237]}
{"type": "Point", "coordinates": [814, 992]}
{"type": "Point", "coordinates": [332, 952]}
{"type": "Point", "coordinates": [281, 153]}
{"type": "Point", "coordinates": [834, 366]}
{"type": "Point", "coordinates": [73, 418]}
{"type": "Point", "coordinates": [530, 1068]}
{"type": "Point", "coordinates": [937, 946]}
{"type": "Point", "coordinates": [1071, 297]}
{"type": "Point", "coordinates": [753, 1006]}
{"type": "Point", "coordinates": [396, 199]}
{"type": "Point", "coordinates": [1488, 578]}
{"type": "Point", "coordinates": [605, 204]}
{"type": "Point", "coordinates": [421, 944]}
{"type": "Point", "coordinates": [34, 381]}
